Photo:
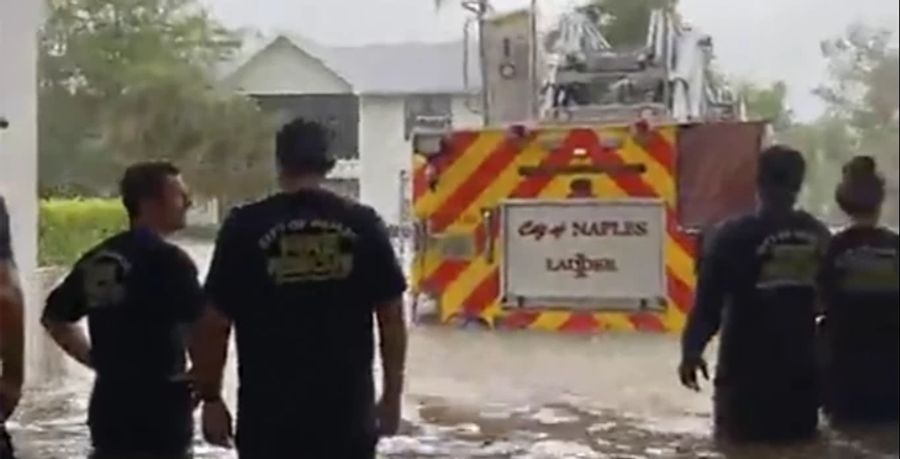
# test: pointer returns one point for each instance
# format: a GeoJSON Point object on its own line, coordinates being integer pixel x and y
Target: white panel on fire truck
{"type": "Point", "coordinates": [584, 254]}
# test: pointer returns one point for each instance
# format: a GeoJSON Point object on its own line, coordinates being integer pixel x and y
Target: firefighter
{"type": "Point", "coordinates": [11, 333]}
{"type": "Point", "coordinates": [858, 282]}
{"type": "Point", "coordinates": [140, 294]}
{"type": "Point", "coordinates": [757, 283]}
{"type": "Point", "coordinates": [300, 275]}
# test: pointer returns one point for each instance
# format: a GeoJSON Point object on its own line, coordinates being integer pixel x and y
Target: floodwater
{"type": "Point", "coordinates": [477, 394]}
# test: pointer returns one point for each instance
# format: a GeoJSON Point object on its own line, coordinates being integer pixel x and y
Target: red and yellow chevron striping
{"type": "Point", "coordinates": [482, 168]}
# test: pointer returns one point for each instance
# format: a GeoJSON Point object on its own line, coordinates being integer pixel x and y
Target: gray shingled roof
{"type": "Point", "coordinates": [404, 68]}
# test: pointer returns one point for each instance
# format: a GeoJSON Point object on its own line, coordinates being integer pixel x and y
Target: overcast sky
{"type": "Point", "coordinates": [757, 40]}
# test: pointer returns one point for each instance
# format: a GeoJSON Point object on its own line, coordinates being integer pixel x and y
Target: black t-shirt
{"type": "Point", "coordinates": [757, 282]}
{"type": "Point", "coordinates": [6, 254]}
{"type": "Point", "coordinates": [139, 294]}
{"type": "Point", "coordinates": [301, 275]}
{"type": "Point", "coordinates": [859, 284]}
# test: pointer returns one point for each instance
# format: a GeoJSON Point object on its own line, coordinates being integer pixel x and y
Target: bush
{"type": "Point", "coordinates": [69, 227]}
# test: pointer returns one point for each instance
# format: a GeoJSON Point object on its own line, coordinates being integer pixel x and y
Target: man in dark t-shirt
{"type": "Point", "coordinates": [859, 286]}
{"type": "Point", "coordinates": [301, 275]}
{"type": "Point", "coordinates": [140, 294]}
{"type": "Point", "coordinates": [757, 283]}
{"type": "Point", "coordinates": [11, 333]}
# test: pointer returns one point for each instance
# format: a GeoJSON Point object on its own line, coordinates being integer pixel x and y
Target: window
{"type": "Point", "coordinates": [424, 105]}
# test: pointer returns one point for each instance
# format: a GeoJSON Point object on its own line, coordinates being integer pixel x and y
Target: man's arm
{"type": "Point", "coordinates": [392, 340]}
{"type": "Point", "coordinates": [209, 336]}
{"type": "Point", "coordinates": [705, 317]}
{"type": "Point", "coordinates": [824, 276]}
{"type": "Point", "coordinates": [12, 336]}
{"type": "Point", "coordinates": [209, 351]}
{"type": "Point", "coordinates": [64, 308]}
{"type": "Point", "coordinates": [385, 283]}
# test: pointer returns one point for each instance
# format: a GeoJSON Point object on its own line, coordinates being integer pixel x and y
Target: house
{"type": "Point", "coordinates": [369, 96]}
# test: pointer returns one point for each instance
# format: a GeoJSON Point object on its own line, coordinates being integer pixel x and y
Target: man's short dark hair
{"type": "Point", "coordinates": [142, 181]}
{"type": "Point", "coordinates": [781, 168]}
{"type": "Point", "coordinates": [302, 147]}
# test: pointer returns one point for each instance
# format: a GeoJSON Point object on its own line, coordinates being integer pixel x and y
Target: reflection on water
{"type": "Point", "coordinates": [505, 395]}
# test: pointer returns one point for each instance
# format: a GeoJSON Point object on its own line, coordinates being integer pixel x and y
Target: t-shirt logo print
{"type": "Point", "coordinates": [869, 269]}
{"type": "Point", "coordinates": [314, 251]}
{"type": "Point", "coordinates": [789, 259]}
{"type": "Point", "coordinates": [104, 279]}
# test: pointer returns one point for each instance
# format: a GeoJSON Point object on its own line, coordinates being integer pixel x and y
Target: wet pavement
{"type": "Point", "coordinates": [476, 394]}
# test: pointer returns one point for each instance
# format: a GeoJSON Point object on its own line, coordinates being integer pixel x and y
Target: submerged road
{"type": "Point", "coordinates": [475, 394]}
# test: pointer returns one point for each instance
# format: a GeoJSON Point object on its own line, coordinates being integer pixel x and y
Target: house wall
{"type": "Point", "coordinates": [282, 68]}
{"type": "Point", "coordinates": [338, 112]}
{"type": "Point", "coordinates": [385, 153]}
{"type": "Point", "coordinates": [286, 79]}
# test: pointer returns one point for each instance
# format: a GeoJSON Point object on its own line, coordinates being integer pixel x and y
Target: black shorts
{"type": "Point", "coordinates": [155, 421]}
{"type": "Point", "coordinates": [744, 417]}
{"type": "Point", "coordinates": [301, 447]}
{"type": "Point", "coordinates": [113, 455]}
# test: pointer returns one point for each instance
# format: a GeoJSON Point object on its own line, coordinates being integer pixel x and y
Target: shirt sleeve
{"type": "Point", "coordinates": [705, 317]}
{"type": "Point", "coordinates": [381, 273]}
{"type": "Point", "coordinates": [185, 287]}
{"type": "Point", "coordinates": [6, 253]}
{"type": "Point", "coordinates": [222, 278]}
{"type": "Point", "coordinates": [66, 302]}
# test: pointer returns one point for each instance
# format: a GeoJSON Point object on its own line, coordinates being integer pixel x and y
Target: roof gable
{"type": "Point", "coordinates": [404, 68]}
{"type": "Point", "coordinates": [282, 67]}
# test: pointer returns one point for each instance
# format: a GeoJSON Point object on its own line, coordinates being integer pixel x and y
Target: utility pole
{"type": "Point", "coordinates": [480, 9]}
{"type": "Point", "coordinates": [534, 83]}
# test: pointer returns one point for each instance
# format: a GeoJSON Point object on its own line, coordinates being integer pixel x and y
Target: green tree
{"type": "Point", "coordinates": [825, 143]}
{"type": "Point", "coordinates": [107, 63]}
{"type": "Point", "coordinates": [767, 103]}
{"type": "Point", "coordinates": [221, 141]}
{"type": "Point", "coordinates": [862, 93]}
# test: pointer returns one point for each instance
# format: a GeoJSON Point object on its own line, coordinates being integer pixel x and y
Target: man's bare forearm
{"type": "Point", "coordinates": [209, 351]}
{"type": "Point", "coordinates": [12, 328]}
{"type": "Point", "coordinates": [72, 339]}
{"type": "Point", "coordinates": [393, 339]}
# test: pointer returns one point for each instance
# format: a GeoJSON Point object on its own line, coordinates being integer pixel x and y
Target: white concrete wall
{"type": "Point", "coordinates": [282, 68]}
{"type": "Point", "coordinates": [384, 152]}
{"type": "Point", "coordinates": [18, 151]}
{"type": "Point", "coordinates": [465, 113]}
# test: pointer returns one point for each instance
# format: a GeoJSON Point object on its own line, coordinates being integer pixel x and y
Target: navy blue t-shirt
{"type": "Point", "coordinates": [301, 276]}
{"type": "Point", "coordinates": [757, 284]}
{"type": "Point", "coordinates": [140, 294]}
{"type": "Point", "coordinates": [859, 284]}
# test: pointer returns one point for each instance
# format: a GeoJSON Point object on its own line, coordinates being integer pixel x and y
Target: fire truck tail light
{"type": "Point", "coordinates": [642, 126]}
{"type": "Point", "coordinates": [517, 131]}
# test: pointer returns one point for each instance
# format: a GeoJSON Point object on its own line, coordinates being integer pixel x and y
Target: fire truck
{"type": "Point", "coordinates": [576, 206]}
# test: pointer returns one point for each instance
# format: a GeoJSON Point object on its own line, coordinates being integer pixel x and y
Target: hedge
{"type": "Point", "coordinates": [69, 227]}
